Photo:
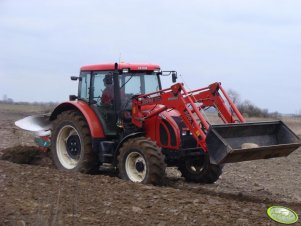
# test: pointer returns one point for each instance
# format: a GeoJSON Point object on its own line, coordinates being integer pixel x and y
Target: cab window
{"type": "Point", "coordinates": [84, 85]}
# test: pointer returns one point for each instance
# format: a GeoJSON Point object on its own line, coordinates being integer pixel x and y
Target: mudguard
{"type": "Point", "coordinates": [95, 126]}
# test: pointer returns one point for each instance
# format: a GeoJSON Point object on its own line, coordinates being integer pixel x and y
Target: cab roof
{"type": "Point", "coordinates": [121, 66]}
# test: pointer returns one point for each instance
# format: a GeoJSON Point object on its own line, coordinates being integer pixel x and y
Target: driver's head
{"type": "Point", "coordinates": [108, 80]}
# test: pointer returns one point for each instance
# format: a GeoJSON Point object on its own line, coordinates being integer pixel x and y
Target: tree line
{"type": "Point", "coordinates": [248, 109]}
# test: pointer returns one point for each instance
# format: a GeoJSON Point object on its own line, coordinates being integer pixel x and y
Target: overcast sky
{"type": "Point", "coordinates": [253, 47]}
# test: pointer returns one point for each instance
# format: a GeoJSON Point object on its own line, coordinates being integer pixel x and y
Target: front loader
{"type": "Point", "coordinates": [122, 117]}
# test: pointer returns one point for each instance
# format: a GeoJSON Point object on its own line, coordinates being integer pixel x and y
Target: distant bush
{"type": "Point", "coordinates": [249, 109]}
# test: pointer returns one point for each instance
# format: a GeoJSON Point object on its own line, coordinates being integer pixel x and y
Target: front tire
{"type": "Point", "coordinates": [199, 169]}
{"type": "Point", "coordinates": [140, 160]}
{"type": "Point", "coordinates": [71, 147]}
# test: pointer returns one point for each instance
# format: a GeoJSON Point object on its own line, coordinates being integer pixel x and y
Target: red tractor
{"type": "Point", "coordinates": [122, 116]}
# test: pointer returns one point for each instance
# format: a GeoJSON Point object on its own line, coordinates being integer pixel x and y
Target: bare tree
{"type": "Point", "coordinates": [234, 96]}
{"type": "Point", "coordinates": [247, 107]}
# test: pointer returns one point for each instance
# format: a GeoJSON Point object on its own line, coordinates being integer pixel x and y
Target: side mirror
{"type": "Point", "coordinates": [108, 80]}
{"type": "Point", "coordinates": [74, 78]}
{"type": "Point", "coordinates": [72, 97]}
{"type": "Point", "coordinates": [174, 76]}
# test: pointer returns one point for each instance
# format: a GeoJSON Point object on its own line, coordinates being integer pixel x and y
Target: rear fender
{"type": "Point", "coordinates": [81, 106]}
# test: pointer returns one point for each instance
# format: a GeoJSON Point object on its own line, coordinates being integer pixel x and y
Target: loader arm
{"type": "Point", "coordinates": [211, 97]}
{"type": "Point", "coordinates": [189, 105]}
{"type": "Point", "coordinates": [235, 141]}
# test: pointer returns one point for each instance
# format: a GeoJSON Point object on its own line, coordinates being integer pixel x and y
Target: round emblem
{"type": "Point", "coordinates": [282, 214]}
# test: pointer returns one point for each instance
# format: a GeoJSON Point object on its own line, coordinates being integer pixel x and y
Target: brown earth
{"type": "Point", "coordinates": [33, 192]}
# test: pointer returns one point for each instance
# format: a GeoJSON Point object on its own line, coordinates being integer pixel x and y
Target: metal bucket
{"type": "Point", "coordinates": [249, 141]}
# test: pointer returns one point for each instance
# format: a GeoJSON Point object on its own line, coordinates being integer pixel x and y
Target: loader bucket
{"type": "Point", "coordinates": [250, 141]}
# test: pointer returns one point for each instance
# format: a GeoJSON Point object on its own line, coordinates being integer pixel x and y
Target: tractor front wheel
{"type": "Point", "coordinates": [199, 169]}
{"type": "Point", "coordinates": [140, 160]}
{"type": "Point", "coordinates": [71, 144]}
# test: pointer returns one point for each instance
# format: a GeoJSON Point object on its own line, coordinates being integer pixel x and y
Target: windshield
{"type": "Point", "coordinates": [130, 84]}
{"type": "Point", "coordinates": [139, 83]}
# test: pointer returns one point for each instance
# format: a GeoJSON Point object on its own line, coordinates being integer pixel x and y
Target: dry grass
{"type": "Point", "coordinates": [294, 123]}
{"type": "Point", "coordinates": [24, 108]}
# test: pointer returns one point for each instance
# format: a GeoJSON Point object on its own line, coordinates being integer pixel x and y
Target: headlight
{"type": "Point", "coordinates": [125, 70]}
{"type": "Point", "coordinates": [157, 70]}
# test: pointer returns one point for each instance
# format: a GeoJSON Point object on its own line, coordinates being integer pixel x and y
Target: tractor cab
{"type": "Point", "coordinates": [109, 90]}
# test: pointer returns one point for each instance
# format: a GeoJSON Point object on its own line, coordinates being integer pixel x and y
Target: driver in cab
{"type": "Point", "coordinates": [108, 92]}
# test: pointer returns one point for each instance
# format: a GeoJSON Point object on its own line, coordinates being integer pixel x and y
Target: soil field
{"type": "Point", "coordinates": [37, 194]}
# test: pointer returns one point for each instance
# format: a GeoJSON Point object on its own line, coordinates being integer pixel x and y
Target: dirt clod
{"type": "Point", "coordinates": [26, 155]}
{"type": "Point", "coordinates": [249, 145]}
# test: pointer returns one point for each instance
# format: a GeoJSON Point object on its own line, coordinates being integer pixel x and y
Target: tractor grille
{"type": "Point", "coordinates": [187, 140]}
{"type": "Point", "coordinates": [165, 129]}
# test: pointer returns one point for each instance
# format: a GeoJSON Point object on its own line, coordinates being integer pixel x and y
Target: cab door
{"type": "Point", "coordinates": [102, 101]}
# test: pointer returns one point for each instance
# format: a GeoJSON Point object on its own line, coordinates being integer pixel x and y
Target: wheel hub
{"type": "Point", "coordinates": [73, 146]}
{"type": "Point", "coordinates": [139, 166]}
{"type": "Point", "coordinates": [195, 166]}
{"type": "Point", "coordinates": [135, 167]}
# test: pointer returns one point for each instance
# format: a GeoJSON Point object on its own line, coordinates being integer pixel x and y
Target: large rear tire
{"type": "Point", "coordinates": [199, 169]}
{"type": "Point", "coordinates": [140, 160]}
{"type": "Point", "coordinates": [71, 147]}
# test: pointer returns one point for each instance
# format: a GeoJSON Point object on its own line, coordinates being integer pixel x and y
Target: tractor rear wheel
{"type": "Point", "coordinates": [200, 170]}
{"type": "Point", "coordinates": [71, 147]}
{"type": "Point", "coordinates": [140, 160]}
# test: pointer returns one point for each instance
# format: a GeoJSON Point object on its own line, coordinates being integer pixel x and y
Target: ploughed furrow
{"type": "Point", "coordinates": [32, 195]}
